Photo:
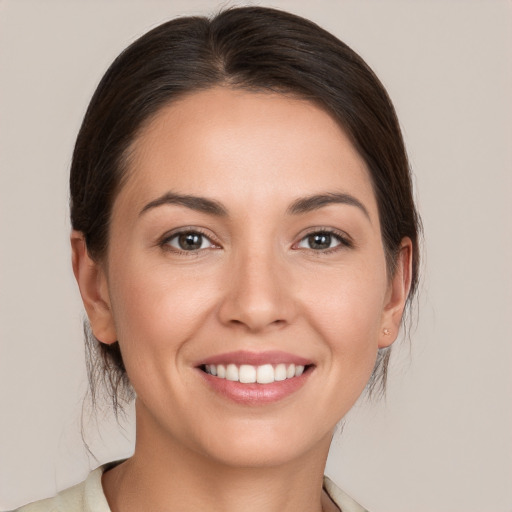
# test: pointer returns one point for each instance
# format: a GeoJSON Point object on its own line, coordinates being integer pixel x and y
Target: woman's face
{"type": "Point", "coordinates": [246, 240]}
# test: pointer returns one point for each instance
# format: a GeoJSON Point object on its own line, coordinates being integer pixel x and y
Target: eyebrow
{"type": "Point", "coordinates": [317, 201]}
{"type": "Point", "coordinates": [200, 204]}
{"type": "Point", "coordinates": [211, 207]}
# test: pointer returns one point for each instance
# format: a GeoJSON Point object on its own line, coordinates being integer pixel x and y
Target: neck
{"type": "Point", "coordinates": [166, 475]}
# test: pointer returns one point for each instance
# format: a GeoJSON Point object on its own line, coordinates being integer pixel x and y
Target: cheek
{"type": "Point", "coordinates": [156, 310]}
{"type": "Point", "coordinates": [350, 300]}
{"type": "Point", "coordinates": [347, 311]}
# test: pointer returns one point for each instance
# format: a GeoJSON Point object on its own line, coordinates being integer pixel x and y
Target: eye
{"type": "Point", "coordinates": [188, 241]}
{"type": "Point", "coordinates": [322, 241]}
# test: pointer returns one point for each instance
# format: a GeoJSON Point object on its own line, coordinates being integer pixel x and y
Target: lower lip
{"type": "Point", "coordinates": [256, 394]}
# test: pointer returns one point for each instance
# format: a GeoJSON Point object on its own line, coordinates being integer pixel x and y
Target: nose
{"type": "Point", "coordinates": [258, 293]}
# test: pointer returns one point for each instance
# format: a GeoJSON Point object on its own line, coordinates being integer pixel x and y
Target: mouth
{"type": "Point", "coordinates": [252, 374]}
{"type": "Point", "coordinates": [251, 378]}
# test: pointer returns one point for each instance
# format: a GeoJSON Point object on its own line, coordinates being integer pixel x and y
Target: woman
{"type": "Point", "coordinates": [245, 243]}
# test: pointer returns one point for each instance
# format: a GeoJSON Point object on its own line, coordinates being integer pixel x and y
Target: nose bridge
{"type": "Point", "coordinates": [255, 294]}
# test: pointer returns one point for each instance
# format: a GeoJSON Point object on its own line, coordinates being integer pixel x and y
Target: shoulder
{"type": "Point", "coordinates": [344, 502]}
{"type": "Point", "coordinates": [87, 496]}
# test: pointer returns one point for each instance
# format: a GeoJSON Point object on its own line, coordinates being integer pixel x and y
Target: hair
{"type": "Point", "coordinates": [250, 48]}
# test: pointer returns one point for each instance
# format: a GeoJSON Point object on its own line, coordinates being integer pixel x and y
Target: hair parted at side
{"type": "Point", "coordinates": [252, 48]}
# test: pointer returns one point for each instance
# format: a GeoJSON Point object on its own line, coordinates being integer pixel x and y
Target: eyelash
{"type": "Point", "coordinates": [343, 239]}
{"type": "Point", "coordinates": [345, 242]}
{"type": "Point", "coordinates": [164, 243]}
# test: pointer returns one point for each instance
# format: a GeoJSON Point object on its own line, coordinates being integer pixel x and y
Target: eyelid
{"type": "Point", "coordinates": [164, 240]}
{"type": "Point", "coordinates": [345, 240]}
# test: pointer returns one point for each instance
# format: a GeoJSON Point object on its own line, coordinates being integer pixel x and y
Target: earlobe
{"type": "Point", "coordinates": [92, 283]}
{"type": "Point", "coordinates": [396, 297]}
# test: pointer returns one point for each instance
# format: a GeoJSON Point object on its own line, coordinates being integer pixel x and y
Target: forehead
{"type": "Point", "coordinates": [244, 147]}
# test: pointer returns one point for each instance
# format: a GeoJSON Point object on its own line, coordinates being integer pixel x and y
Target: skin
{"type": "Point", "coordinates": [255, 284]}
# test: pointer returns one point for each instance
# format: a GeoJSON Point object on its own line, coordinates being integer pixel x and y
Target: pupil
{"type": "Point", "coordinates": [190, 241]}
{"type": "Point", "coordinates": [320, 241]}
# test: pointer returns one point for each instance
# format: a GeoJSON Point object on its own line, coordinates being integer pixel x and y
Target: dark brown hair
{"type": "Point", "coordinates": [252, 48]}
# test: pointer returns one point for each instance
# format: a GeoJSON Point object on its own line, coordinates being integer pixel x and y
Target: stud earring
{"type": "Point", "coordinates": [386, 332]}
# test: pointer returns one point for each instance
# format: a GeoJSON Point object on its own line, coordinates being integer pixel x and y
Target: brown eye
{"type": "Point", "coordinates": [319, 241]}
{"type": "Point", "coordinates": [189, 241]}
{"type": "Point", "coordinates": [322, 240]}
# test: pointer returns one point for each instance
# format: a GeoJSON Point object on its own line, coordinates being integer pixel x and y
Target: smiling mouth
{"type": "Point", "coordinates": [250, 374]}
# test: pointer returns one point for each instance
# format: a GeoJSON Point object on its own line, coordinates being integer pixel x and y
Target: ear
{"type": "Point", "coordinates": [397, 294]}
{"type": "Point", "coordinates": [92, 282]}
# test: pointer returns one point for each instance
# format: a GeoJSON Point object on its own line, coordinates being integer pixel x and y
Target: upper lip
{"type": "Point", "coordinates": [256, 358]}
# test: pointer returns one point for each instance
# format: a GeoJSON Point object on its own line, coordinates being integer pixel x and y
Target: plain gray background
{"type": "Point", "coordinates": [442, 440]}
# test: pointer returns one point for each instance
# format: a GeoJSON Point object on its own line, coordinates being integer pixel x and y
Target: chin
{"type": "Point", "coordinates": [264, 445]}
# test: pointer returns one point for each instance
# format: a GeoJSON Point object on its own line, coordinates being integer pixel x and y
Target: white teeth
{"type": "Point", "coordinates": [280, 372]}
{"type": "Point", "coordinates": [248, 374]}
{"type": "Point", "coordinates": [265, 374]}
{"type": "Point", "coordinates": [232, 372]}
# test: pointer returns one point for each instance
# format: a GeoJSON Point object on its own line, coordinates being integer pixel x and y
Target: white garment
{"type": "Point", "coordinates": [89, 497]}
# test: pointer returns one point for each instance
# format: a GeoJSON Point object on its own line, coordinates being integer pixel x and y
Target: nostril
{"type": "Point", "coordinates": [256, 308]}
